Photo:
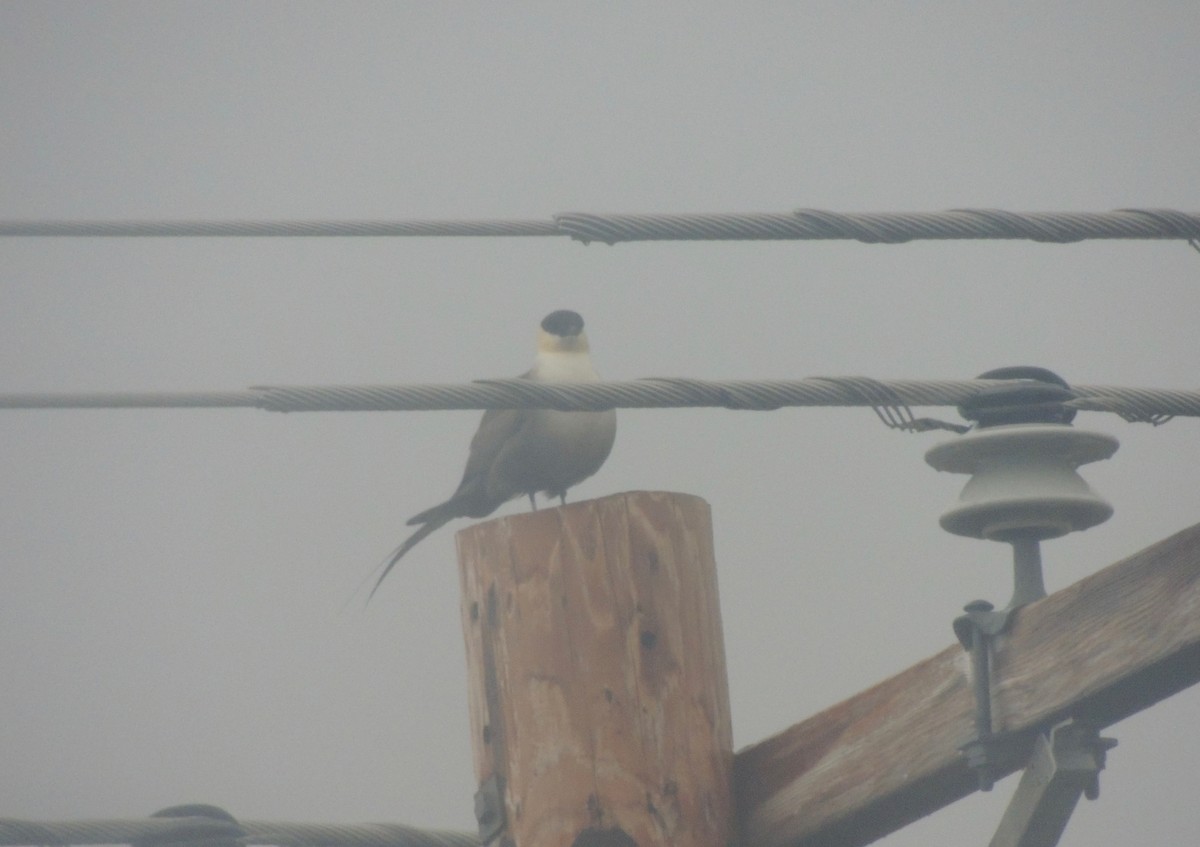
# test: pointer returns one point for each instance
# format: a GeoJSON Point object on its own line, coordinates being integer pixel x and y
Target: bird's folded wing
{"type": "Point", "coordinates": [496, 430]}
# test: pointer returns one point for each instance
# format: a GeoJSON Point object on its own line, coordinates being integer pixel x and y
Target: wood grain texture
{"type": "Point", "coordinates": [597, 672]}
{"type": "Point", "coordinates": [1102, 649]}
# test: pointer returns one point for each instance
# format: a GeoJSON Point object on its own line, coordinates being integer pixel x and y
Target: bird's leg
{"type": "Point", "coordinates": [532, 502]}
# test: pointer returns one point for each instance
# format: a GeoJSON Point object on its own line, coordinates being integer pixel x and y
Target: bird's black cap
{"type": "Point", "coordinates": [564, 322]}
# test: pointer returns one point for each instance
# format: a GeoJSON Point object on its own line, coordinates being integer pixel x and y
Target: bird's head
{"type": "Point", "coordinates": [562, 332]}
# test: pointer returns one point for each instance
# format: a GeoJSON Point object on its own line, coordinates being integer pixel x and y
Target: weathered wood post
{"type": "Point", "coordinates": [599, 701]}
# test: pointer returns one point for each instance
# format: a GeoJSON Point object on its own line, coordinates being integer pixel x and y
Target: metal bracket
{"type": "Point", "coordinates": [987, 751]}
{"type": "Point", "coordinates": [1063, 765]}
{"type": "Point", "coordinates": [489, 808]}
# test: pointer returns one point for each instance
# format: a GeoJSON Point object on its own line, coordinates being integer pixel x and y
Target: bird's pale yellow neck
{"type": "Point", "coordinates": [563, 359]}
{"type": "Point", "coordinates": [550, 343]}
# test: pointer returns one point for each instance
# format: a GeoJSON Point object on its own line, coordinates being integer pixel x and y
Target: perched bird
{"type": "Point", "coordinates": [522, 451]}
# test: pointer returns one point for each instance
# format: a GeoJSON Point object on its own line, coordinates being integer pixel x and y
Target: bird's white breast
{"type": "Point", "coordinates": [567, 447]}
{"type": "Point", "coordinates": [563, 366]}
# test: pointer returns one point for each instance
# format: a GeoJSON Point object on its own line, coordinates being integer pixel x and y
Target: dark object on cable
{"type": "Point", "coordinates": [1041, 399]}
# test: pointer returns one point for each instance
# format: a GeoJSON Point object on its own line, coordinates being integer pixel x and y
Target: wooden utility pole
{"type": "Point", "coordinates": [600, 712]}
{"type": "Point", "coordinates": [598, 695]}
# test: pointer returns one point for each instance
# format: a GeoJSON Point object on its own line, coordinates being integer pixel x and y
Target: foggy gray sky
{"type": "Point", "coordinates": [178, 611]}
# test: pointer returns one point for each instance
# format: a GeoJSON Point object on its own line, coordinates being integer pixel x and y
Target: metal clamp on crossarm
{"type": "Point", "coordinates": [1064, 764]}
{"type": "Point", "coordinates": [988, 752]}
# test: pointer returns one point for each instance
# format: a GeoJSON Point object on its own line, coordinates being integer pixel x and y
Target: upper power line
{"type": "Point", "coordinates": [800, 224]}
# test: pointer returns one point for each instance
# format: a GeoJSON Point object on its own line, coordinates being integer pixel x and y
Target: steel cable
{"type": "Point", "coordinates": [586, 227]}
{"type": "Point", "coordinates": [148, 832]}
{"type": "Point", "coordinates": [891, 399]}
